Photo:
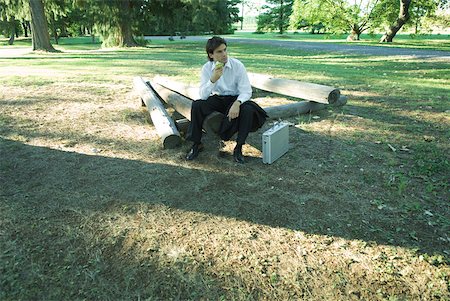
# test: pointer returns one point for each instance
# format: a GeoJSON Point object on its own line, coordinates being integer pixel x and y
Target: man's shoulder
{"type": "Point", "coordinates": [236, 62]}
{"type": "Point", "coordinates": [208, 66]}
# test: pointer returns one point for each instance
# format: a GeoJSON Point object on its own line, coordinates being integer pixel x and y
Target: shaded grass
{"type": "Point", "coordinates": [93, 208]}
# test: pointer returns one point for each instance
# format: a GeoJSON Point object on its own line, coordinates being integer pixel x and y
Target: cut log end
{"type": "Point", "coordinates": [334, 96]}
{"type": "Point", "coordinates": [171, 141]}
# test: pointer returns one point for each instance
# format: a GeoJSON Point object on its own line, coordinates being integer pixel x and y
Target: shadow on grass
{"type": "Point", "coordinates": [322, 202]}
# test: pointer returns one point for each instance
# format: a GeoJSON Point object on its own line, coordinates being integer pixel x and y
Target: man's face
{"type": "Point", "coordinates": [220, 54]}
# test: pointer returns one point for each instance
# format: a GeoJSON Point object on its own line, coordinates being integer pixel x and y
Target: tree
{"type": "Point", "coordinates": [309, 14]}
{"type": "Point", "coordinates": [403, 17]}
{"type": "Point", "coordinates": [115, 20]}
{"type": "Point", "coordinates": [336, 16]}
{"type": "Point", "coordinates": [276, 16]}
{"type": "Point", "coordinates": [193, 16]}
{"type": "Point", "coordinates": [217, 16]}
{"type": "Point", "coordinates": [359, 17]}
{"type": "Point", "coordinates": [11, 12]}
{"type": "Point", "coordinates": [56, 11]}
{"type": "Point", "coordinates": [39, 27]}
{"type": "Point", "coordinates": [396, 14]}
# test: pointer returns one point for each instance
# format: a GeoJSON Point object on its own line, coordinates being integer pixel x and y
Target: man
{"type": "Point", "coordinates": [225, 88]}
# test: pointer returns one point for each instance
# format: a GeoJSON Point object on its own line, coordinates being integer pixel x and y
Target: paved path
{"type": "Point", "coordinates": [333, 47]}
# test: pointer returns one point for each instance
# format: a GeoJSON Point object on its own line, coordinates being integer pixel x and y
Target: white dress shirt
{"type": "Point", "coordinates": [234, 81]}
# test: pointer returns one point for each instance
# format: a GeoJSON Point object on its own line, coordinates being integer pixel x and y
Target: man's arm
{"type": "Point", "coordinates": [245, 92]}
{"type": "Point", "coordinates": [244, 86]}
{"type": "Point", "coordinates": [206, 84]}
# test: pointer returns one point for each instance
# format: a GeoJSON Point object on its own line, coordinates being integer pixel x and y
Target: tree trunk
{"type": "Point", "coordinates": [281, 17]}
{"type": "Point", "coordinates": [403, 17]}
{"type": "Point", "coordinates": [91, 26]}
{"type": "Point", "coordinates": [40, 36]}
{"type": "Point", "coordinates": [242, 16]}
{"type": "Point", "coordinates": [25, 28]}
{"type": "Point", "coordinates": [356, 32]}
{"type": "Point", "coordinates": [13, 30]}
{"type": "Point", "coordinates": [64, 30]}
{"type": "Point", "coordinates": [54, 30]}
{"type": "Point", "coordinates": [125, 32]}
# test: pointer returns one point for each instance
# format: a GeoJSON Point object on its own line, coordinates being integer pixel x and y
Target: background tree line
{"type": "Point", "coordinates": [117, 22]}
{"type": "Point", "coordinates": [354, 16]}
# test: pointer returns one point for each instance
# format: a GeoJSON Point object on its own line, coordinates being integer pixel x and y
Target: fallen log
{"type": "Point", "coordinates": [187, 90]}
{"type": "Point", "coordinates": [183, 105]}
{"type": "Point", "coordinates": [301, 107]}
{"type": "Point", "coordinates": [165, 127]}
{"type": "Point", "coordinates": [180, 103]}
{"type": "Point", "coordinates": [294, 88]}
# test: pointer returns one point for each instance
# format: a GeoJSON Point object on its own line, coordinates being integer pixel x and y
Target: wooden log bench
{"type": "Point", "coordinates": [180, 96]}
{"type": "Point", "coordinates": [182, 104]}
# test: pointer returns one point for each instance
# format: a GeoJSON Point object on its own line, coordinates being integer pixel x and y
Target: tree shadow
{"type": "Point", "coordinates": [324, 200]}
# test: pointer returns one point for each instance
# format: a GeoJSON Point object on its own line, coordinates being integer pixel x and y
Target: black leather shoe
{"type": "Point", "coordinates": [194, 151]}
{"type": "Point", "coordinates": [238, 157]}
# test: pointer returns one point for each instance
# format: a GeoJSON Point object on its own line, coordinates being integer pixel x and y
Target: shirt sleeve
{"type": "Point", "coordinates": [244, 87]}
{"type": "Point", "coordinates": [206, 86]}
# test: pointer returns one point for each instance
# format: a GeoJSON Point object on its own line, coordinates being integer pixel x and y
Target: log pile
{"type": "Point", "coordinates": [180, 96]}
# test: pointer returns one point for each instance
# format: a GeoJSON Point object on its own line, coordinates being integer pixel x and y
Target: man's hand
{"type": "Point", "coordinates": [234, 110]}
{"type": "Point", "coordinates": [218, 71]}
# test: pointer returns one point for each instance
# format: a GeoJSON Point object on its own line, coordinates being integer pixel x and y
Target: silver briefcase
{"type": "Point", "coordinates": [275, 142]}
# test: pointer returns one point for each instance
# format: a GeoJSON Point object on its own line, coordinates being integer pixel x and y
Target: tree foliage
{"type": "Point", "coordinates": [118, 22]}
{"type": "Point", "coordinates": [355, 17]}
{"type": "Point", "coordinates": [191, 16]}
{"type": "Point", "coordinates": [11, 14]}
{"type": "Point", "coordinates": [338, 16]}
{"type": "Point", "coordinates": [276, 16]}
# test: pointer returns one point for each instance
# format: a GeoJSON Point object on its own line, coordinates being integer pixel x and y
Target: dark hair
{"type": "Point", "coordinates": [212, 44]}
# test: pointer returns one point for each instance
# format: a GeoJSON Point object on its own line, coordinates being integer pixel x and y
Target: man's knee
{"type": "Point", "coordinates": [197, 105]}
{"type": "Point", "coordinates": [246, 110]}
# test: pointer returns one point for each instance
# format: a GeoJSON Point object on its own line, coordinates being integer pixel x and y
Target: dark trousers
{"type": "Point", "coordinates": [215, 103]}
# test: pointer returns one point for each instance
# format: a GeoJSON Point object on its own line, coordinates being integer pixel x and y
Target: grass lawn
{"type": "Point", "coordinates": [91, 206]}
